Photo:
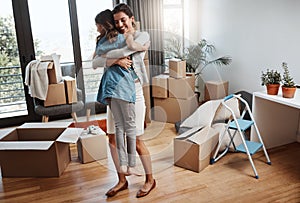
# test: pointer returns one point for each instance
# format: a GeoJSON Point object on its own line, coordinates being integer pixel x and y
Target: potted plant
{"type": "Point", "coordinates": [271, 79]}
{"type": "Point", "coordinates": [288, 84]}
{"type": "Point", "coordinates": [197, 58]}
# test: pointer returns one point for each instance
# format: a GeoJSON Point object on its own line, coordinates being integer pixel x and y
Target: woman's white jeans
{"type": "Point", "coordinates": [140, 110]}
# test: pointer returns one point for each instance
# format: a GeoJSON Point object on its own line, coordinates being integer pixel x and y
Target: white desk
{"type": "Point", "coordinates": [277, 118]}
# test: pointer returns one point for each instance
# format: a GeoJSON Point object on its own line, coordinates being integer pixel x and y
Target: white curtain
{"type": "Point", "coordinates": [150, 15]}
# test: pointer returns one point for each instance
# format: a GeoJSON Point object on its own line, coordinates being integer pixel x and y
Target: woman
{"type": "Point", "coordinates": [124, 21]}
{"type": "Point", "coordinates": [117, 89]}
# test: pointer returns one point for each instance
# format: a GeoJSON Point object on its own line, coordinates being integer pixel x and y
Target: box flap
{"type": "Point", "coordinates": [26, 145]}
{"type": "Point", "coordinates": [188, 133]}
{"type": "Point", "coordinates": [70, 135]}
{"type": "Point", "coordinates": [203, 135]}
{"type": "Point", "coordinates": [46, 125]}
{"type": "Point", "coordinates": [4, 132]}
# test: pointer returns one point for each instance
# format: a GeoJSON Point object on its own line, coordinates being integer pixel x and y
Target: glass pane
{"type": "Point", "coordinates": [173, 26]}
{"type": "Point", "coordinates": [173, 23]}
{"type": "Point", "coordinates": [12, 97]}
{"type": "Point", "coordinates": [51, 30]}
{"type": "Point", "coordinates": [86, 20]}
{"type": "Point", "coordinates": [172, 2]}
{"type": "Point", "coordinates": [88, 33]}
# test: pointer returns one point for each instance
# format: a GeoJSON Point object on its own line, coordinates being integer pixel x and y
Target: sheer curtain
{"type": "Point", "coordinates": [150, 15]}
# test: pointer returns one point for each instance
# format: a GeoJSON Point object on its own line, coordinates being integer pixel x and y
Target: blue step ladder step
{"type": "Point", "coordinates": [253, 147]}
{"type": "Point", "coordinates": [244, 124]}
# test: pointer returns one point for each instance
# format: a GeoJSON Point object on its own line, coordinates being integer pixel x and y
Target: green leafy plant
{"type": "Point", "coordinates": [270, 77]}
{"type": "Point", "coordinates": [196, 56]}
{"type": "Point", "coordinates": [287, 80]}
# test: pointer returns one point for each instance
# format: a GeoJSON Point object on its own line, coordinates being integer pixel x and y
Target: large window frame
{"type": "Point", "coordinates": [27, 53]}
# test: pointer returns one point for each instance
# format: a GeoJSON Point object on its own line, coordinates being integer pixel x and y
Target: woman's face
{"type": "Point", "coordinates": [123, 22]}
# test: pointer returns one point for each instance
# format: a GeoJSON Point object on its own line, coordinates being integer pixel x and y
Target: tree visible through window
{"type": "Point", "coordinates": [12, 98]}
{"type": "Point", "coordinates": [9, 55]}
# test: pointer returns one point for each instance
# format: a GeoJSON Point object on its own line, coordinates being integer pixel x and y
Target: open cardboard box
{"type": "Point", "coordinates": [92, 147]}
{"type": "Point", "coordinates": [193, 149]}
{"type": "Point", "coordinates": [37, 149]}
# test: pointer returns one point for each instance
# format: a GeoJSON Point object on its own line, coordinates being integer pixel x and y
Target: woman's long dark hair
{"type": "Point", "coordinates": [106, 19]}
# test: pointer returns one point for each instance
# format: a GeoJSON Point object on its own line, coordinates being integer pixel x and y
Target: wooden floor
{"type": "Point", "coordinates": [229, 180]}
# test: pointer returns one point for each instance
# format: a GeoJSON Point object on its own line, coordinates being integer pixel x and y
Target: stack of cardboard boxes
{"type": "Point", "coordinates": [174, 96]}
{"type": "Point", "coordinates": [61, 90]}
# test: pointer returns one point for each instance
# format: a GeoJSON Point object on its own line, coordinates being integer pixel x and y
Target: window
{"type": "Point", "coordinates": [88, 33]}
{"type": "Point", "coordinates": [51, 31]}
{"type": "Point", "coordinates": [48, 23]}
{"type": "Point", "coordinates": [173, 22]}
{"type": "Point", "coordinates": [86, 21]}
{"type": "Point", "coordinates": [12, 98]}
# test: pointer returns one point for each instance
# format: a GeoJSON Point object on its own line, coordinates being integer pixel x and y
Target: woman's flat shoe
{"type": "Point", "coordinates": [112, 192]}
{"type": "Point", "coordinates": [142, 193]}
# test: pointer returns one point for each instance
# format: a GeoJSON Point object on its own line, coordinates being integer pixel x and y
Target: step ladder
{"type": "Point", "coordinates": [240, 125]}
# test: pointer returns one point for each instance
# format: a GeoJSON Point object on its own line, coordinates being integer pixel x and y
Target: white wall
{"type": "Point", "coordinates": [257, 34]}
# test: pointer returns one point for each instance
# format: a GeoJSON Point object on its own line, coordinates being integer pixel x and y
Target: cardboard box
{"type": "Point", "coordinates": [160, 86]}
{"type": "Point", "coordinates": [215, 90]}
{"type": "Point", "coordinates": [177, 68]}
{"type": "Point", "coordinates": [172, 110]}
{"type": "Point", "coordinates": [37, 149]}
{"type": "Point", "coordinates": [194, 150]}
{"type": "Point", "coordinates": [56, 95]}
{"type": "Point", "coordinates": [92, 147]}
{"type": "Point", "coordinates": [70, 89]}
{"type": "Point", "coordinates": [182, 88]}
{"type": "Point", "coordinates": [54, 68]}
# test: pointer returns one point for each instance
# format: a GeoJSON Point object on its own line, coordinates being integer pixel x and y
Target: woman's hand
{"type": "Point", "coordinates": [124, 62]}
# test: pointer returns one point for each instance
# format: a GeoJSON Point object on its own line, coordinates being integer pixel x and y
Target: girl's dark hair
{"type": "Point", "coordinates": [125, 9]}
{"type": "Point", "coordinates": [106, 19]}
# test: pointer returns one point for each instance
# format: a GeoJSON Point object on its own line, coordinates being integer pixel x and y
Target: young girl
{"type": "Point", "coordinates": [117, 89]}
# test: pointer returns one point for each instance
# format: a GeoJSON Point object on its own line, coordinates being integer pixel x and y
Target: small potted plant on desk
{"type": "Point", "coordinates": [271, 79]}
{"type": "Point", "coordinates": [288, 84]}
